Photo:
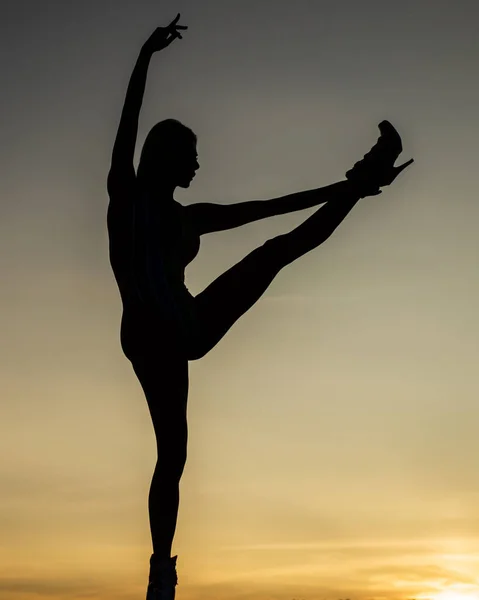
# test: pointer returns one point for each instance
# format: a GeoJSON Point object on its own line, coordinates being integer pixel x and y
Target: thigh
{"type": "Point", "coordinates": [165, 382]}
{"type": "Point", "coordinates": [164, 378]}
{"type": "Point", "coordinates": [147, 332]}
{"type": "Point", "coordinates": [233, 293]}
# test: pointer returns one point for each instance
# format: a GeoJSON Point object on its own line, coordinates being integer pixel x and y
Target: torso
{"type": "Point", "coordinates": [150, 247]}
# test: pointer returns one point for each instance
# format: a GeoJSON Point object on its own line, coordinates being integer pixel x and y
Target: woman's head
{"type": "Point", "coordinates": [169, 155]}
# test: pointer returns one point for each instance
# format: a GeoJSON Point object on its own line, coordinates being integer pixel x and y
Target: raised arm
{"type": "Point", "coordinates": [122, 168]}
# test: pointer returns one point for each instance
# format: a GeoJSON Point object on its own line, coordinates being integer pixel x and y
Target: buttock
{"type": "Point", "coordinates": [151, 331]}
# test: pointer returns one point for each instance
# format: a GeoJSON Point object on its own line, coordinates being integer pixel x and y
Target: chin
{"type": "Point", "coordinates": [185, 183]}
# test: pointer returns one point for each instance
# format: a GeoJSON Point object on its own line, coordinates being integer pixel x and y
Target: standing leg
{"type": "Point", "coordinates": [164, 379]}
{"type": "Point", "coordinates": [225, 300]}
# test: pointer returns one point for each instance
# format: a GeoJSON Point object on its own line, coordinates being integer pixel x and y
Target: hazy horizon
{"type": "Point", "coordinates": [333, 432]}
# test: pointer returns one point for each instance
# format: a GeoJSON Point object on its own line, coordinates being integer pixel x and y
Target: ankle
{"type": "Point", "coordinates": [163, 569]}
{"type": "Point", "coordinates": [162, 559]}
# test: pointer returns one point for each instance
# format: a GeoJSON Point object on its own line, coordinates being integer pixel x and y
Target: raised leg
{"type": "Point", "coordinates": [225, 300]}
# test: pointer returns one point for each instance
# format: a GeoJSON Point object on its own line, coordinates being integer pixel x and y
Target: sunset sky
{"type": "Point", "coordinates": [333, 433]}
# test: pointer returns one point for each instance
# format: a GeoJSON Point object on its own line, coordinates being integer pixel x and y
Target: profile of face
{"type": "Point", "coordinates": [184, 165]}
{"type": "Point", "coordinates": [169, 157]}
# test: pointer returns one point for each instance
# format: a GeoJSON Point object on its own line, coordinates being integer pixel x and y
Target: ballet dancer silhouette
{"type": "Point", "coordinates": [153, 238]}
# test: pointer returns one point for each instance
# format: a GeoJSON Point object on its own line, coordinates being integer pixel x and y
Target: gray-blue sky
{"type": "Point", "coordinates": [364, 352]}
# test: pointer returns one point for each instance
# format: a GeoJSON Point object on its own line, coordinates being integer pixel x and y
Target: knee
{"type": "Point", "coordinates": [171, 463]}
{"type": "Point", "coordinates": [171, 445]}
{"type": "Point", "coordinates": [273, 254]}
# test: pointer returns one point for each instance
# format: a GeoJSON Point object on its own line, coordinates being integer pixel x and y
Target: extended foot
{"type": "Point", "coordinates": [162, 580]}
{"type": "Point", "coordinates": [377, 168]}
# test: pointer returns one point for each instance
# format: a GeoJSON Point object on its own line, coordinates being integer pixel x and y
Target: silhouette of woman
{"type": "Point", "coordinates": [153, 238]}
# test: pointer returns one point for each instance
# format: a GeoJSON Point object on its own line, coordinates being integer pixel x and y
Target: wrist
{"type": "Point", "coordinates": [353, 188]}
{"type": "Point", "coordinates": [146, 50]}
{"type": "Point", "coordinates": [362, 189]}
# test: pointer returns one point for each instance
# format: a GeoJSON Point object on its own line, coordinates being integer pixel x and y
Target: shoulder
{"type": "Point", "coordinates": [206, 217]}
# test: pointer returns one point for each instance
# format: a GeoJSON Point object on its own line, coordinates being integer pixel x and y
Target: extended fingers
{"type": "Point", "coordinates": [173, 33]}
{"type": "Point", "coordinates": [173, 24]}
{"type": "Point", "coordinates": [171, 37]}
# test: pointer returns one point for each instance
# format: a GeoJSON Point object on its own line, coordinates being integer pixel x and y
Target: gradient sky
{"type": "Point", "coordinates": [333, 432]}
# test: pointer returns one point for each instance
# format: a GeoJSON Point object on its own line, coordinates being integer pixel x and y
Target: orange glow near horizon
{"type": "Point", "coordinates": [454, 592]}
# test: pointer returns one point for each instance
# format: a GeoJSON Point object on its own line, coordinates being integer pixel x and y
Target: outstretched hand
{"type": "Point", "coordinates": [163, 36]}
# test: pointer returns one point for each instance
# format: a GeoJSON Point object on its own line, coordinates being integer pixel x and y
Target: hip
{"type": "Point", "coordinates": [152, 329]}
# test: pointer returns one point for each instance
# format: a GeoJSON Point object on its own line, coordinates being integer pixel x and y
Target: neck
{"type": "Point", "coordinates": [162, 192]}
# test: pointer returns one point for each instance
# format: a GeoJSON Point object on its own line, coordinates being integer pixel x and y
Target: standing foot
{"type": "Point", "coordinates": [162, 579]}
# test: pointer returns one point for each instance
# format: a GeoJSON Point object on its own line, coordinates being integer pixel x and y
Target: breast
{"type": "Point", "coordinates": [174, 237]}
{"type": "Point", "coordinates": [190, 242]}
